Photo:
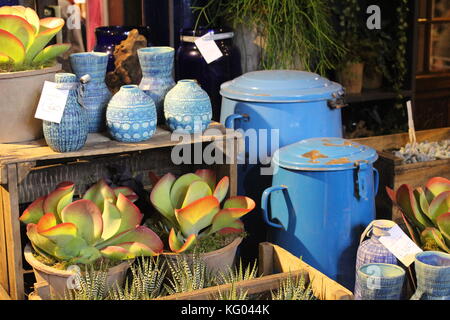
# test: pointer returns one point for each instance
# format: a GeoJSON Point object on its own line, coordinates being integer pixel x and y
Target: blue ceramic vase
{"type": "Point", "coordinates": [381, 281]}
{"type": "Point", "coordinates": [131, 115]}
{"type": "Point", "coordinates": [71, 133]}
{"type": "Point", "coordinates": [157, 74]}
{"type": "Point", "coordinates": [96, 94]}
{"type": "Point", "coordinates": [187, 107]}
{"type": "Point", "coordinates": [372, 250]}
{"type": "Point", "coordinates": [433, 276]}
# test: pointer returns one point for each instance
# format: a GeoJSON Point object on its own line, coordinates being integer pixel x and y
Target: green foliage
{"type": "Point", "coordinates": [187, 274]}
{"type": "Point", "coordinates": [233, 294]}
{"type": "Point", "coordinates": [238, 273]}
{"type": "Point", "coordinates": [293, 288]}
{"type": "Point", "coordinates": [294, 33]}
{"type": "Point", "coordinates": [92, 285]}
{"type": "Point", "coordinates": [147, 277]}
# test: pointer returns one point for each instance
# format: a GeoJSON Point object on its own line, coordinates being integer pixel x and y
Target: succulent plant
{"type": "Point", "coordinates": [104, 223]}
{"type": "Point", "coordinates": [426, 212]}
{"type": "Point", "coordinates": [23, 38]}
{"type": "Point", "coordinates": [191, 207]}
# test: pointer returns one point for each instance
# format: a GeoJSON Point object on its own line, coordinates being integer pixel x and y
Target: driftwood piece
{"type": "Point", "coordinates": [128, 69]}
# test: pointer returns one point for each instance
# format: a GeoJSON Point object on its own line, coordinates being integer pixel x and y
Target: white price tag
{"type": "Point", "coordinates": [52, 103]}
{"type": "Point", "coordinates": [401, 246]}
{"type": "Point", "coordinates": [208, 48]}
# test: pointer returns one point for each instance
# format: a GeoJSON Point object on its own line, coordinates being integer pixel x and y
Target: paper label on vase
{"type": "Point", "coordinates": [208, 48]}
{"type": "Point", "coordinates": [52, 103]}
{"type": "Point", "coordinates": [400, 245]}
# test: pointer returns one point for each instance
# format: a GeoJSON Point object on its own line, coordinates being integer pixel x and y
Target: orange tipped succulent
{"type": "Point", "coordinates": [191, 205]}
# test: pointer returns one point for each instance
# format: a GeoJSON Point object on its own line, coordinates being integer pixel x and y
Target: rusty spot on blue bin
{"type": "Point", "coordinates": [314, 155]}
{"type": "Point", "coordinates": [339, 161]}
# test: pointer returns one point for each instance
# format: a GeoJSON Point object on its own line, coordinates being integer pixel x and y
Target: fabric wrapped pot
{"type": "Point", "coordinates": [187, 108]}
{"type": "Point", "coordinates": [71, 133]}
{"type": "Point", "coordinates": [131, 115]}
{"type": "Point", "coordinates": [381, 281]}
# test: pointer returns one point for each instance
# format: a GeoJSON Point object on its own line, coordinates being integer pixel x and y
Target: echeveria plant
{"type": "Point", "coordinates": [105, 222]}
{"type": "Point", "coordinates": [426, 212]}
{"type": "Point", "coordinates": [24, 37]}
{"type": "Point", "coordinates": [191, 206]}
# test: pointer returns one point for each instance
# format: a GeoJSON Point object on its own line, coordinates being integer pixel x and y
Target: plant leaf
{"type": "Point", "coordinates": [12, 47]}
{"type": "Point", "coordinates": [127, 192]}
{"type": "Point", "coordinates": [87, 255]}
{"type": "Point", "coordinates": [50, 53]}
{"type": "Point", "coordinates": [140, 234]}
{"type": "Point", "coordinates": [423, 202]}
{"type": "Point", "coordinates": [391, 194]}
{"type": "Point", "coordinates": [198, 215]}
{"type": "Point", "coordinates": [24, 12]}
{"type": "Point", "coordinates": [443, 222]}
{"type": "Point", "coordinates": [435, 186]}
{"type": "Point", "coordinates": [34, 212]}
{"type": "Point", "coordinates": [180, 187]}
{"type": "Point", "coordinates": [127, 250]}
{"type": "Point", "coordinates": [411, 230]}
{"type": "Point", "coordinates": [53, 198]}
{"type": "Point", "coordinates": [408, 204]}
{"type": "Point", "coordinates": [112, 219]}
{"type": "Point", "coordinates": [19, 27]}
{"type": "Point", "coordinates": [440, 205]}
{"type": "Point", "coordinates": [86, 216]}
{"type": "Point", "coordinates": [432, 240]}
{"type": "Point", "coordinates": [116, 253]}
{"type": "Point", "coordinates": [196, 190]}
{"type": "Point", "coordinates": [160, 197]}
{"type": "Point", "coordinates": [131, 215]}
{"type": "Point", "coordinates": [209, 176]}
{"type": "Point", "coordinates": [222, 188]}
{"type": "Point", "coordinates": [100, 192]}
{"type": "Point", "coordinates": [47, 221]}
{"type": "Point", "coordinates": [40, 241]}
{"type": "Point", "coordinates": [65, 201]}
{"type": "Point", "coordinates": [236, 226]}
{"type": "Point", "coordinates": [178, 246]}
{"type": "Point", "coordinates": [61, 234]}
{"type": "Point", "coordinates": [48, 28]}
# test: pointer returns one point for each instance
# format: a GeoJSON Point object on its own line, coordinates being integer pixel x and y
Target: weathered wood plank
{"type": "Point", "coordinates": [3, 294]}
{"type": "Point", "coordinates": [100, 144]}
{"type": "Point", "coordinates": [10, 201]}
{"type": "Point", "coordinates": [266, 260]}
{"type": "Point", "coordinates": [4, 282]}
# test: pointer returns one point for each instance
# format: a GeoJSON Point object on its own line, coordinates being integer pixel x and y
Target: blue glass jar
{"type": "Point", "coordinates": [71, 133]}
{"type": "Point", "coordinates": [109, 37]}
{"type": "Point", "coordinates": [190, 64]}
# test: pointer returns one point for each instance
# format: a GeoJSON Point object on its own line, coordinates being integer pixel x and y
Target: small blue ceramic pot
{"type": "Point", "coordinates": [157, 69]}
{"type": "Point", "coordinates": [71, 133]}
{"type": "Point", "coordinates": [187, 108]}
{"type": "Point", "coordinates": [97, 94]}
{"type": "Point", "coordinates": [380, 281]}
{"type": "Point", "coordinates": [131, 115]}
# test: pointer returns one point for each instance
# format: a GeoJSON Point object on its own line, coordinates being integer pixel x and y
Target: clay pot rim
{"type": "Point", "coordinates": [392, 266]}
{"type": "Point", "coordinates": [26, 73]}
{"type": "Point", "coordinates": [236, 242]}
{"type": "Point", "coordinates": [36, 264]}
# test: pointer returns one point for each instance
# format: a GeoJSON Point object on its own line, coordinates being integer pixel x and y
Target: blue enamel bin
{"type": "Point", "coordinates": [322, 197]}
{"type": "Point", "coordinates": [300, 104]}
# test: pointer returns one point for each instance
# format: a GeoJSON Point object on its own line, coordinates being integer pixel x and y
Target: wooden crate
{"type": "Point", "coordinates": [32, 169]}
{"type": "Point", "coordinates": [276, 264]}
{"type": "Point", "coordinates": [3, 294]}
{"type": "Point", "coordinates": [393, 173]}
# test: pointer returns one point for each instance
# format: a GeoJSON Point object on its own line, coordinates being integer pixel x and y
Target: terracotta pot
{"type": "Point", "coordinates": [58, 280]}
{"type": "Point", "coordinates": [372, 80]}
{"type": "Point", "coordinates": [217, 261]}
{"type": "Point", "coordinates": [20, 93]}
{"type": "Point", "coordinates": [350, 76]}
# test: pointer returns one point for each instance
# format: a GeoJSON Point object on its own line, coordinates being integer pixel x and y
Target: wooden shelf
{"type": "Point", "coordinates": [375, 95]}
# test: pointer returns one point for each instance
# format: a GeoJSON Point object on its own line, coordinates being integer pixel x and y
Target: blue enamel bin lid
{"type": "Point", "coordinates": [320, 154]}
{"type": "Point", "coordinates": [281, 86]}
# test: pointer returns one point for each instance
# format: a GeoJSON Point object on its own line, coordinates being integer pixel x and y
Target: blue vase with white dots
{"type": "Point", "coordinates": [131, 115]}
{"type": "Point", "coordinates": [97, 94]}
{"type": "Point", "coordinates": [71, 133]}
{"type": "Point", "coordinates": [187, 108]}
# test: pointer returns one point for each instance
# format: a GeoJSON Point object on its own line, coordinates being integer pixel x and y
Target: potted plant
{"type": "Point", "coordinates": [101, 227]}
{"type": "Point", "coordinates": [25, 63]}
{"type": "Point", "coordinates": [426, 213]}
{"type": "Point", "coordinates": [194, 218]}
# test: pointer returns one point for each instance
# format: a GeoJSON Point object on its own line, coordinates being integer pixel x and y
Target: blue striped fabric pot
{"type": "Point", "coordinates": [380, 281]}
{"type": "Point", "coordinates": [433, 276]}
{"type": "Point", "coordinates": [71, 133]}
